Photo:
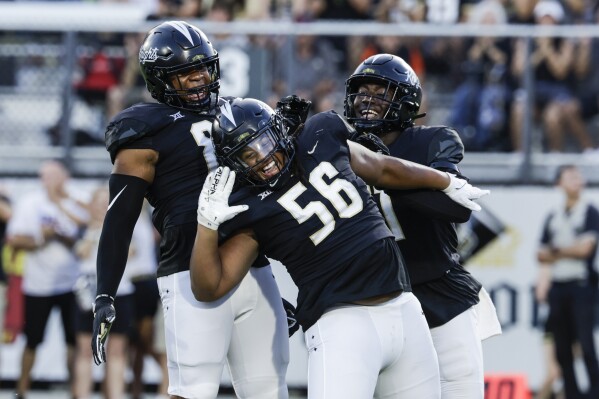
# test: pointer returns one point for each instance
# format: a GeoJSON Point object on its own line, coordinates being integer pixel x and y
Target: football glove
{"type": "Point", "coordinates": [372, 142]}
{"type": "Point", "coordinates": [104, 316]}
{"type": "Point", "coordinates": [213, 203]}
{"type": "Point", "coordinates": [292, 323]}
{"type": "Point", "coordinates": [294, 109]}
{"type": "Point", "coordinates": [464, 193]}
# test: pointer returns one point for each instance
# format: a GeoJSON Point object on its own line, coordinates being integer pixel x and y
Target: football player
{"type": "Point", "coordinates": [383, 98]}
{"type": "Point", "coordinates": [163, 152]}
{"type": "Point", "coordinates": [310, 209]}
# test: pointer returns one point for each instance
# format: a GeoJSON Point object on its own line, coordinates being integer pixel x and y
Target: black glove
{"type": "Point", "coordinates": [292, 323]}
{"type": "Point", "coordinates": [295, 110]}
{"type": "Point", "coordinates": [372, 142]}
{"type": "Point", "coordinates": [104, 315]}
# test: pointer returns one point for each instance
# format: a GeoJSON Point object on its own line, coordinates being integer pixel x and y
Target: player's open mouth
{"type": "Point", "coordinates": [196, 96]}
{"type": "Point", "coordinates": [370, 114]}
{"type": "Point", "coordinates": [270, 170]}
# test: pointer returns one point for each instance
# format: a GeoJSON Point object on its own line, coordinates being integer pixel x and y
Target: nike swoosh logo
{"type": "Point", "coordinates": [114, 199]}
{"type": "Point", "coordinates": [313, 148]}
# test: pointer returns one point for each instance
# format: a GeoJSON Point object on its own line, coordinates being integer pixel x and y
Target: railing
{"type": "Point", "coordinates": [58, 34]}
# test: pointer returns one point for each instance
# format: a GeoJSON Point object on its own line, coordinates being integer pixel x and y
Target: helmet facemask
{"type": "Point", "coordinates": [402, 97]}
{"type": "Point", "coordinates": [262, 158]}
{"type": "Point", "coordinates": [396, 101]}
{"type": "Point", "coordinates": [174, 49]}
{"type": "Point", "coordinates": [199, 98]}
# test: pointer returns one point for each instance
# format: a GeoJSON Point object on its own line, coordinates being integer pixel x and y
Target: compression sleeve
{"type": "Point", "coordinates": [126, 199]}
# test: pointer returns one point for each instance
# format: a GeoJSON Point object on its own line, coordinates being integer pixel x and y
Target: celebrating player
{"type": "Point", "coordinates": [310, 209]}
{"type": "Point", "coordinates": [163, 152]}
{"type": "Point", "coordinates": [383, 98]}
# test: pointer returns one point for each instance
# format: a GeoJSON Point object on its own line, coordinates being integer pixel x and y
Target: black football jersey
{"type": "Point", "coordinates": [326, 228]}
{"type": "Point", "coordinates": [427, 241]}
{"type": "Point", "coordinates": [185, 156]}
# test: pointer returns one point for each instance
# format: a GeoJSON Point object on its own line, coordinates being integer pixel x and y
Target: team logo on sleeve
{"type": "Point", "coordinates": [264, 194]}
{"type": "Point", "coordinates": [176, 116]}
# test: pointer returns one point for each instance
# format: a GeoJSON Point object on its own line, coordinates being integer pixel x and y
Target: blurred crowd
{"type": "Point", "coordinates": [475, 84]}
{"type": "Point", "coordinates": [49, 244]}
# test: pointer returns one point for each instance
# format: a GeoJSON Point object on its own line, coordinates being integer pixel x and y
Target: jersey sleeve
{"type": "Point", "coordinates": [133, 124]}
{"type": "Point", "coordinates": [445, 150]}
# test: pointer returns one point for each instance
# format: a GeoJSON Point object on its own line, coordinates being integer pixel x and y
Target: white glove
{"type": "Point", "coordinates": [463, 192]}
{"type": "Point", "coordinates": [213, 204]}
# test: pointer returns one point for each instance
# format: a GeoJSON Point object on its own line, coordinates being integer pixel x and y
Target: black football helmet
{"type": "Point", "coordinates": [402, 93]}
{"type": "Point", "coordinates": [175, 47]}
{"type": "Point", "coordinates": [246, 125]}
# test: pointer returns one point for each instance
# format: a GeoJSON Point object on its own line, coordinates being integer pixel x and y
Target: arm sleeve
{"type": "Point", "coordinates": [126, 199]}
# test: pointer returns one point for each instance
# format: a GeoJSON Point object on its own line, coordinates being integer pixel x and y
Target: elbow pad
{"type": "Point", "coordinates": [126, 199]}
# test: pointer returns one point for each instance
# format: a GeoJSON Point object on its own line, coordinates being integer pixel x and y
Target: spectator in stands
{"type": "Point", "coordinates": [233, 53]}
{"type": "Point", "coordinates": [131, 87]}
{"type": "Point", "coordinates": [587, 73]}
{"type": "Point", "coordinates": [86, 249]}
{"type": "Point", "coordinates": [309, 72]}
{"type": "Point", "coordinates": [521, 12]}
{"type": "Point", "coordinates": [348, 10]}
{"type": "Point", "coordinates": [45, 224]}
{"type": "Point", "coordinates": [553, 372]}
{"type": "Point", "coordinates": [569, 247]}
{"type": "Point", "coordinates": [553, 63]}
{"type": "Point", "coordinates": [481, 102]}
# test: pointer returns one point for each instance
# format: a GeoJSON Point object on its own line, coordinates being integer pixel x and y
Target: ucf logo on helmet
{"type": "Point", "coordinates": [149, 55]}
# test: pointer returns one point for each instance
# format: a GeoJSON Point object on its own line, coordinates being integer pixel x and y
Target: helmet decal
{"type": "Point", "coordinates": [149, 55]}
{"type": "Point", "coordinates": [225, 109]}
{"type": "Point", "coordinates": [182, 28]}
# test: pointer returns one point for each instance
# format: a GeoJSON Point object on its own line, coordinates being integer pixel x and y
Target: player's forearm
{"type": "Point", "coordinates": [401, 174]}
{"type": "Point", "coordinates": [206, 266]}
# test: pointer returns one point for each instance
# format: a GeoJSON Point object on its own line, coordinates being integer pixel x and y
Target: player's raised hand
{"type": "Point", "coordinates": [213, 203]}
{"type": "Point", "coordinates": [104, 316]}
{"type": "Point", "coordinates": [464, 193]}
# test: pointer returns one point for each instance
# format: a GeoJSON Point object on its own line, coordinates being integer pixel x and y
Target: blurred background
{"type": "Point", "coordinates": [66, 67]}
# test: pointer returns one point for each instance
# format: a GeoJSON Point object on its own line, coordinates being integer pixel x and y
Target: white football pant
{"type": "Point", "coordinates": [247, 329]}
{"type": "Point", "coordinates": [459, 349]}
{"type": "Point", "coordinates": [380, 351]}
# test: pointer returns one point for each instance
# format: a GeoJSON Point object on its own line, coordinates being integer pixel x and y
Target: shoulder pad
{"type": "Point", "coordinates": [136, 122]}
{"type": "Point", "coordinates": [331, 122]}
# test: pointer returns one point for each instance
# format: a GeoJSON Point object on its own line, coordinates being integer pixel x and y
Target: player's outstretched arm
{"type": "Point", "coordinates": [216, 270]}
{"type": "Point", "coordinates": [130, 178]}
{"type": "Point", "coordinates": [396, 173]}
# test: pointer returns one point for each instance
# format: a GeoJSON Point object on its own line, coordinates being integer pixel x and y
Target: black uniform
{"type": "Point", "coordinates": [427, 219]}
{"type": "Point", "coordinates": [325, 229]}
{"type": "Point", "coordinates": [181, 138]}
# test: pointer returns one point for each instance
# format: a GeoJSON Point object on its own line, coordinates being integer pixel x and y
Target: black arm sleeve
{"type": "Point", "coordinates": [433, 203]}
{"type": "Point", "coordinates": [126, 199]}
